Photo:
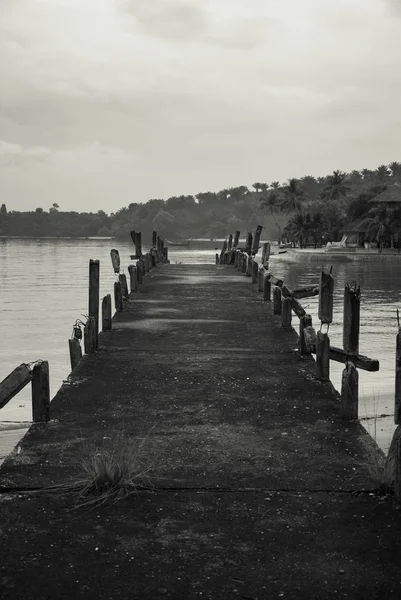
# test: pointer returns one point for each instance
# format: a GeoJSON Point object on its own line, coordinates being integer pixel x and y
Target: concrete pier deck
{"type": "Point", "coordinates": [259, 487]}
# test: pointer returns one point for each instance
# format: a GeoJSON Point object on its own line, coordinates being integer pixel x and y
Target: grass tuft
{"type": "Point", "coordinates": [379, 468]}
{"type": "Point", "coordinates": [113, 470]}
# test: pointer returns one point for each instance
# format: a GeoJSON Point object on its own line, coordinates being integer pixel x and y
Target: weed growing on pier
{"type": "Point", "coordinates": [379, 468]}
{"type": "Point", "coordinates": [113, 470]}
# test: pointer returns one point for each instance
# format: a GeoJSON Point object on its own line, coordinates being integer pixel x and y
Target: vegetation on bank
{"type": "Point", "coordinates": [305, 210]}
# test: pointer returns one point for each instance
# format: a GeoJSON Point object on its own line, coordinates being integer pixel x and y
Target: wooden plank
{"type": "Point", "coordinates": [14, 383]}
{"type": "Point", "coordinates": [352, 301]}
{"type": "Point", "coordinates": [325, 310]}
{"type": "Point", "coordinates": [361, 362]}
{"type": "Point", "coordinates": [41, 391]}
{"type": "Point", "coordinates": [306, 292]}
{"type": "Point", "coordinates": [297, 308]}
{"type": "Point", "coordinates": [256, 240]}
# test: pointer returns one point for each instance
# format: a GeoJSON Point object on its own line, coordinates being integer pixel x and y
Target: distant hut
{"type": "Point", "coordinates": [391, 197]}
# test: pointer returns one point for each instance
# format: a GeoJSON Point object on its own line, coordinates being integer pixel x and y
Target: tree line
{"type": "Point", "coordinates": [303, 210]}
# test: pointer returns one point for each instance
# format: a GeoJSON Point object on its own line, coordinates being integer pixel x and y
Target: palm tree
{"type": "Point", "coordinates": [275, 185]}
{"type": "Point", "coordinates": [298, 227]}
{"type": "Point", "coordinates": [336, 186]}
{"type": "Point", "coordinates": [293, 196]}
{"type": "Point", "coordinates": [382, 172]}
{"type": "Point", "coordinates": [355, 176]}
{"type": "Point", "coordinates": [395, 168]}
{"type": "Point", "coordinates": [317, 227]}
{"type": "Point", "coordinates": [272, 202]}
{"type": "Point", "coordinates": [367, 173]}
{"type": "Point", "coordinates": [257, 186]}
{"type": "Point", "coordinates": [311, 186]}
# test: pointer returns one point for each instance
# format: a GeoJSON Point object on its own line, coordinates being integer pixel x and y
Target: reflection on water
{"type": "Point", "coordinates": [44, 289]}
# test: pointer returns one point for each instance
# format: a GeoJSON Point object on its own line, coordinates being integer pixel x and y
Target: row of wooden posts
{"type": "Point", "coordinates": [157, 254]}
{"type": "Point", "coordinates": [286, 302]}
{"type": "Point", "coordinates": [37, 373]}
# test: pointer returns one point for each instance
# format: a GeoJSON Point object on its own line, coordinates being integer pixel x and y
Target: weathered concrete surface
{"type": "Point", "coordinates": [259, 487]}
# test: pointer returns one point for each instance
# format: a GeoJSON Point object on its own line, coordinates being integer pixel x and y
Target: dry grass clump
{"type": "Point", "coordinates": [113, 470]}
{"type": "Point", "coordinates": [379, 468]}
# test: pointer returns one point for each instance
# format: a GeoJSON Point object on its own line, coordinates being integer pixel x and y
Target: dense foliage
{"type": "Point", "coordinates": [301, 210]}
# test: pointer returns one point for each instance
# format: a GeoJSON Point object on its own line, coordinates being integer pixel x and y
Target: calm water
{"type": "Point", "coordinates": [44, 289]}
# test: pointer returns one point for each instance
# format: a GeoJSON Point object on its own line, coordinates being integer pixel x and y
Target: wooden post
{"type": "Point", "coordinates": [304, 322]}
{"type": "Point", "coordinates": [266, 254]}
{"type": "Point", "coordinates": [249, 266]}
{"type": "Point", "coordinates": [326, 288]}
{"type": "Point", "coordinates": [352, 300]}
{"type": "Point", "coordinates": [75, 352]}
{"type": "Point", "coordinates": [397, 398]}
{"type": "Point", "coordinates": [154, 239]}
{"type": "Point", "coordinates": [255, 271]}
{"type": "Point", "coordinates": [236, 238]}
{"type": "Point", "coordinates": [124, 285]}
{"type": "Point", "coordinates": [133, 278]}
{"type": "Point", "coordinates": [40, 392]}
{"type": "Point", "coordinates": [266, 287]}
{"type": "Point", "coordinates": [394, 455]}
{"type": "Point", "coordinates": [94, 276]}
{"type": "Point", "coordinates": [139, 271]}
{"type": "Point", "coordinates": [106, 313]}
{"type": "Point", "coordinates": [230, 242]}
{"type": "Point", "coordinates": [260, 279]}
{"type": "Point", "coordinates": [89, 337]}
{"type": "Point", "coordinates": [136, 237]}
{"type": "Point", "coordinates": [217, 259]}
{"type": "Point", "coordinates": [248, 243]}
{"type": "Point", "coordinates": [244, 262]}
{"type": "Point", "coordinates": [322, 356]}
{"type": "Point", "coordinates": [349, 392]}
{"type": "Point", "coordinates": [118, 296]}
{"type": "Point", "coordinates": [153, 257]}
{"type": "Point", "coordinates": [277, 300]}
{"type": "Point", "coordinates": [286, 313]}
{"type": "Point", "coordinates": [224, 248]}
{"type": "Point", "coordinates": [166, 254]}
{"type": "Point", "coordinates": [256, 240]}
{"type": "Point", "coordinates": [115, 259]}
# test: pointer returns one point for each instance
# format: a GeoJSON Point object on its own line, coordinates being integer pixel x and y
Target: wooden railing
{"type": "Point", "coordinates": [36, 373]}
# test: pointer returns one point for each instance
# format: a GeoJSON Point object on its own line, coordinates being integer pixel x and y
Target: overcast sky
{"type": "Point", "coordinates": [107, 102]}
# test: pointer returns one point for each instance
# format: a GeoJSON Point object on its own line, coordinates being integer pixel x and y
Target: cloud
{"type": "Point", "coordinates": [151, 99]}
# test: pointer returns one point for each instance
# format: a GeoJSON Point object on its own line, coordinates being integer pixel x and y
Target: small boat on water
{"type": "Point", "coordinates": [184, 243]}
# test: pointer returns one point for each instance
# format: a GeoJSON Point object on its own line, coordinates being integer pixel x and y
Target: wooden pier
{"type": "Point", "coordinates": [258, 487]}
